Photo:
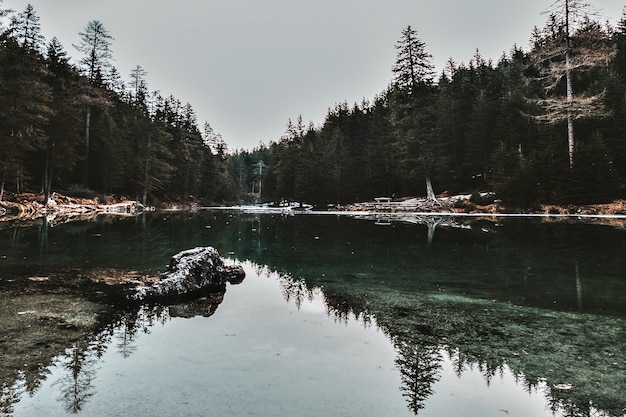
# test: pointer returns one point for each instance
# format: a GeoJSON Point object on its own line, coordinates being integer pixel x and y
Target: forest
{"type": "Point", "coordinates": [543, 124]}
{"type": "Point", "coordinates": [80, 130]}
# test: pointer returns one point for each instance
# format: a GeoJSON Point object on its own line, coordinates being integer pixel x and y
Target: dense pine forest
{"type": "Point", "coordinates": [545, 123]}
{"type": "Point", "coordinates": [79, 129]}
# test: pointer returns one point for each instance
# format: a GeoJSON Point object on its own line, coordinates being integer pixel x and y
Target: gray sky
{"type": "Point", "coordinates": [248, 66]}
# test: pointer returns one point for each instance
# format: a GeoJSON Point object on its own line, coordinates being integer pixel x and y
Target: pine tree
{"type": "Point", "coordinates": [138, 89]}
{"type": "Point", "coordinates": [26, 30]}
{"type": "Point", "coordinates": [412, 109]}
{"type": "Point", "coordinates": [95, 42]}
{"type": "Point", "coordinates": [64, 127]}
{"type": "Point", "coordinates": [413, 66]}
{"type": "Point", "coordinates": [24, 101]}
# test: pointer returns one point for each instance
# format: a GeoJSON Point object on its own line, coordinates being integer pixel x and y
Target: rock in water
{"type": "Point", "coordinates": [192, 271]}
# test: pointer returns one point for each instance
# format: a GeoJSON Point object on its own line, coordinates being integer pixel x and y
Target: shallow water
{"type": "Point", "coordinates": [339, 316]}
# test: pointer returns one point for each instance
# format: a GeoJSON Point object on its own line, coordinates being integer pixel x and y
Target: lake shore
{"type": "Point", "coordinates": [485, 204]}
{"type": "Point", "coordinates": [61, 208]}
{"type": "Point", "coordinates": [29, 206]}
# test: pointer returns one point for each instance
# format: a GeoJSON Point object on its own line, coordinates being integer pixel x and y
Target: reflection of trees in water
{"type": "Point", "coordinates": [80, 362]}
{"type": "Point", "coordinates": [420, 368]}
{"type": "Point", "coordinates": [293, 289]}
{"type": "Point", "coordinates": [76, 385]}
{"type": "Point", "coordinates": [27, 382]}
{"type": "Point", "coordinates": [10, 396]}
{"type": "Point", "coordinates": [296, 290]}
{"type": "Point", "coordinates": [543, 350]}
{"type": "Point", "coordinates": [419, 363]}
{"type": "Point", "coordinates": [125, 329]}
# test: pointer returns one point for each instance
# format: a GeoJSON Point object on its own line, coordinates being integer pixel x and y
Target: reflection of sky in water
{"type": "Point", "coordinates": [470, 395]}
{"type": "Point", "coordinates": [260, 356]}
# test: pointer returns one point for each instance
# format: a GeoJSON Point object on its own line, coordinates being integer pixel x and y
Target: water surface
{"type": "Point", "coordinates": [339, 316]}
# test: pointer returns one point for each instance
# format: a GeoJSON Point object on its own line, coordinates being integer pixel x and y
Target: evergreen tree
{"type": "Point", "coordinates": [380, 156]}
{"type": "Point", "coordinates": [24, 108]}
{"type": "Point", "coordinates": [95, 42]}
{"type": "Point", "coordinates": [413, 66]}
{"type": "Point", "coordinates": [139, 89]}
{"type": "Point", "coordinates": [65, 124]}
{"type": "Point", "coordinates": [413, 111]}
{"type": "Point", "coordinates": [26, 30]}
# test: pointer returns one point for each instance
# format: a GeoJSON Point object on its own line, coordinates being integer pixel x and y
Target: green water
{"type": "Point", "coordinates": [343, 316]}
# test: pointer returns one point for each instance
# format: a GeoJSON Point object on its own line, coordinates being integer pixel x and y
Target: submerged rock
{"type": "Point", "coordinates": [192, 271]}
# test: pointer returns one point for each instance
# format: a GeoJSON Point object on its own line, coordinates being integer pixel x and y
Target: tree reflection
{"type": "Point", "coordinates": [125, 336]}
{"type": "Point", "coordinates": [546, 351]}
{"type": "Point", "coordinates": [80, 362]}
{"type": "Point", "coordinates": [568, 357]}
{"type": "Point", "coordinates": [76, 385]}
{"type": "Point", "coordinates": [420, 368]}
{"type": "Point", "coordinates": [10, 396]}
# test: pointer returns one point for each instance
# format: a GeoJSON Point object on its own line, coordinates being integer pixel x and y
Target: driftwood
{"type": "Point", "coordinates": [414, 205]}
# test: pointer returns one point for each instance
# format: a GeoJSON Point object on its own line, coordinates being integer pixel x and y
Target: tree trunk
{"type": "Point", "coordinates": [47, 185]}
{"type": "Point", "coordinates": [430, 194]}
{"type": "Point", "coordinates": [570, 89]}
{"type": "Point", "coordinates": [432, 226]}
{"type": "Point", "coordinates": [579, 288]}
{"type": "Point", "coordinates": [570, 121]}
{"type": "Point", "coordinates": [147, 173]}
{"type": "Point", "coordinates": [87, 132]}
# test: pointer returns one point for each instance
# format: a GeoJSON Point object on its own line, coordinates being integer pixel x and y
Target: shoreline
{"type": "Point", "coordinates": [29, 206]}
{"type": "Point", "coordinates": [61, 208]}
{"type": "Point", "coordinates": [454, 206]}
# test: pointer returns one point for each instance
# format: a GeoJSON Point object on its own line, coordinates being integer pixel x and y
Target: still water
{"type": "Point", "coordinates": [337, 316]}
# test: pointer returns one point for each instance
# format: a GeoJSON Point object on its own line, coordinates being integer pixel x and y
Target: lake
{"type": "Point", "coordinates": [337, 316]}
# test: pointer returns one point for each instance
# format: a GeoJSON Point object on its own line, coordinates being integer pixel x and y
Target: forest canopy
{"type": "Point", "coordinates": [544, 123]}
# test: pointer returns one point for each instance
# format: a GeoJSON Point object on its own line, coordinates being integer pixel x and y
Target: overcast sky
{"type": "Point", "coordinates": [248, 66]}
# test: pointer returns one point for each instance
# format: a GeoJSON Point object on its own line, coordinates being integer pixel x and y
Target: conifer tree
{"type": "Point", "coordinates": [26, 30]}
{"type": "Point", "coordinates": [64, 127]}
{"type": "Point", "coordinates": [95, 42]}
{"type": "Point", "coordinates": [412, 109]}
{"type": "Point", "coordinates": [24, 101]}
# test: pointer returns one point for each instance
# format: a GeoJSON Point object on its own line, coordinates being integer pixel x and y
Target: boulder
{"type": "Point", "coordinates": [191, 273]}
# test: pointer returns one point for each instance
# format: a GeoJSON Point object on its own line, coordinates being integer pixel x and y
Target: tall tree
{"type": "Point", "coordinates": [26, 30]}
{"type": "Point", "coordinates": [413, 66]}
{"type": "Point", "coordinates": [138, 88]}
{"type": "Point", "coordinates": [64, 127]}
{"type": "Point", "coordinates": [95, 43]}
{"type": "Point", "coordinates": [24, 102]}
{"type": "Point", "coordinates": [571, 43]}
{"type": "Point", "coordinates": [412, 108]}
